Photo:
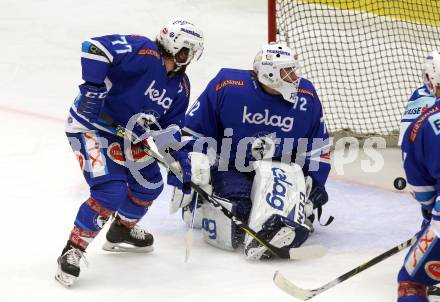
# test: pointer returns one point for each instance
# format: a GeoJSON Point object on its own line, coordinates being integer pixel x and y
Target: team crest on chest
{"type": "Point", "coordinates": [257, 118]}
{"type": "Point", "coordinates": [158, 97]}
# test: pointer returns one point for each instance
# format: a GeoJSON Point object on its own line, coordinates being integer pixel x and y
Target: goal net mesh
{"type": "Point", "coordinates": [364, 57]}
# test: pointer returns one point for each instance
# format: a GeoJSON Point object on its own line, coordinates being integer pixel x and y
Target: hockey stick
{"type": "Point", "coordinates": [307, 252]}
{"type": "Point", "coordinates": [305, 294]}
{"type": "Point", "coordinates": [189, 233]}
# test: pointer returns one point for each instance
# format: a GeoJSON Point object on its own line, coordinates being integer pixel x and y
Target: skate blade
{"type": "Point", "coordinates": [125, 248]}
{"type": "Point", "coordinates": [64, 279]}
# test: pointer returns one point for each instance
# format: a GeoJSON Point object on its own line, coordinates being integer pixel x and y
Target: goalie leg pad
{"type": "Point", "coordinates": [218, 230]}
{"type": "Point", "coordinates": [278, 208]}
{"type": "Point", "coordinates": [235, 188]}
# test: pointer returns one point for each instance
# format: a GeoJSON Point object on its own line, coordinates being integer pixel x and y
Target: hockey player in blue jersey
{"type": "Point", "coordinates": [422, 168]}
{"type": "Point", "coordinates": [126, 78]}
{"type": "Point", "coordinates": [420, 100]}
{"type": "Point", "coordinates": [259, 123]}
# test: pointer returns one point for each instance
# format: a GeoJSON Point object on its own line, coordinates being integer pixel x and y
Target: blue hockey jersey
{"type": "Point", "coordinates": [420, 158]}
{"type": "Point", "coordinates": [419, 102]}
{"type": "Point", "coordinates": [235, 107]}
{"type": "Point", "coordinates": [134, 73]}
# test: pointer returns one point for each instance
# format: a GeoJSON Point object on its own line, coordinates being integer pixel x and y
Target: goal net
{"type": "Point", "coordinates": [364, 57]}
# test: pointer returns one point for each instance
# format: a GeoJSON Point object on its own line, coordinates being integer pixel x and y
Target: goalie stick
{"type": "Point", "coordinates": [189, 233]}
{"type": "Point", "coordinates": [306, 252]}
{"type": "Point", "coordinates": [305, 294]}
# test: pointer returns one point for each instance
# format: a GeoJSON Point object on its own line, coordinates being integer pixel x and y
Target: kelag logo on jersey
{"type": "Point", "coordinates": [279, 189]}
{"type": "Point", "coordinates": [156, 96]}
{"type": "Point", "coordinates": [284, 123]}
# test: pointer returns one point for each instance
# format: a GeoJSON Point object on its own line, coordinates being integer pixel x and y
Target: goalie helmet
{"type": "Point", "coordinates": [181, 40]}
{"type": "Point", "coordinates": [277, 67]}
{"type": "Point", "coordinates": [432, 71]}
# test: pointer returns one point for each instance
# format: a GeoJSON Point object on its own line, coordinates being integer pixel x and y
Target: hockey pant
{"type": "Point", "coordinates": [422, 263]}
{"type": "Point", "coordinates": [126, 182]}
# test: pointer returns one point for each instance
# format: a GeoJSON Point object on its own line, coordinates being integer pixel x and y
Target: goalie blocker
{"type": "Point", "coordinates": [273, 201]}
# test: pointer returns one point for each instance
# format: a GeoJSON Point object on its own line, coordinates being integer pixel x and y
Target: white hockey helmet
{"type": "Point", "coordinates": [179, 34]}
{"type": "Point", "coordinates": [277, 67]}
{"type": "Point", "coordinates": [432, 71]}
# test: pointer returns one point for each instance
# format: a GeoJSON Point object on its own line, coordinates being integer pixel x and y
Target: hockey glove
{"type": "Point", "coordinates": [183, 164]}
{"type": "Point", "coordinates": [427, 215]}
{"type": "Point", "coordinates": [91, 101]}
{"type": "Point", "coordinates": [316, 193]}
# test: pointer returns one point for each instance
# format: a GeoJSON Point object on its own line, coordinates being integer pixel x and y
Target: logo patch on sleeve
{"type": "Point", "coordinates": [305, 91]}
{"type": "Point", "coordinates": [417, 107]}
{"type": "Point", "coordinates": [434, 120]}
{"type": "Point", "coordinates": [148, 52]}
{"type": "Point", "coordinates": [418, 124]}
{"type": "Point", "coordinates": [229, 83]}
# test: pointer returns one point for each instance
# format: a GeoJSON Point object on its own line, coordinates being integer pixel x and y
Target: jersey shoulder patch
{"type": "Point", "coordinates": [94, 50]}
{"type": "Point", "coordinates": [434, 121]}
{"type": "Point", "coordinates": [230, 77]}
{"type": "Point", "coordinates": [149, 52]}
{"type": "Point", "coordinates": [418, 124]}
{"type": "Point", "coordinates": [224, 83]}
{"type": "Point", "coordinates": [417, 107]}
{"type": "Point", "coordinates": [306, 87]}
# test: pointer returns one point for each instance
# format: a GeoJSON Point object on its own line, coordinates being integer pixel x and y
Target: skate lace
{"type": "Point", "coordinates": [74, 257]}
{"type": "Point", "coordinates": [138, 233]}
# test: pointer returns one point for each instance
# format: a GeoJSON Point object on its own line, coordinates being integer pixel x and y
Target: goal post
{"type": "Point", "coordinates": [271, 20]}
{"type": "Point", "coordinates": [364, 57]}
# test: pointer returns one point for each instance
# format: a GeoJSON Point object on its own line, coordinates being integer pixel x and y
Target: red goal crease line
{"type": "Point", "coordinates": [32, 114]}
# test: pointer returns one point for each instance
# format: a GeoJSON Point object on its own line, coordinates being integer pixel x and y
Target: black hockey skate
{"type": "Point", "coordinates": [123, 239]}
{"type": "Point", "coordinates": [68, 264]}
